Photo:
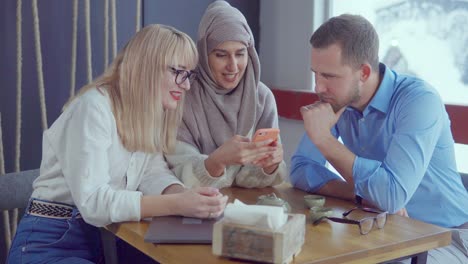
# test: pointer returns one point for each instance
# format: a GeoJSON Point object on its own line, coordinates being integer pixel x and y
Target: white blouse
{"type": "Point", "coordinates": [85, 164]}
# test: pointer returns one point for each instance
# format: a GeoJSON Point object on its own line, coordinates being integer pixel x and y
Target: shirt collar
{"type": "Point", "coordinates": [381, 99]}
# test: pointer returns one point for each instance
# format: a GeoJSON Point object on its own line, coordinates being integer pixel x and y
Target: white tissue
{"type": "Point", "coordinates": [272, 217]}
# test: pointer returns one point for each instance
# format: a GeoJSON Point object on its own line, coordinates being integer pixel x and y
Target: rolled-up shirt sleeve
{"type": "Point", "coordinates": [82, 148]}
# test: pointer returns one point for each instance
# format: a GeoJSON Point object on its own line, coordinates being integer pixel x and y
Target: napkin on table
{"type": "Point", "coordinates": [271, 217]}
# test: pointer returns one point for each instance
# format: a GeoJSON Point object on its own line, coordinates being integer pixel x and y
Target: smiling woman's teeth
{"type": "Point", "coordinates": [230, 77]}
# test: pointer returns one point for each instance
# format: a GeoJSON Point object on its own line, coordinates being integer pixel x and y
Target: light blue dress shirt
{"type": "Point", "coordinates": [404, 153]}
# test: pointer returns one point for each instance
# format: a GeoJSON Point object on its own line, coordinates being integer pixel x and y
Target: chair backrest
{"type": "Point", "coordinates": [464, 177]}
{"type": "Point", "coordinates": [16, 189]}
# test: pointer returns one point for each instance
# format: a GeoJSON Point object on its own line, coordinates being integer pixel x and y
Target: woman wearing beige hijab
{"type": "Point", "coordinates": [226, 105]}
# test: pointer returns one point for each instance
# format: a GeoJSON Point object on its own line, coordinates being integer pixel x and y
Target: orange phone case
{"type": "Point", "coordinates": [266, 133]}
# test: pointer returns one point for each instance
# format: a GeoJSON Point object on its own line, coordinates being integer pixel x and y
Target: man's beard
{"type": "Point", "coordinates": [352, 97]}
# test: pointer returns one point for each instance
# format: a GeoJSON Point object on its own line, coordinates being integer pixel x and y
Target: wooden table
{"type": "Point", "coordinates": [327, 242]}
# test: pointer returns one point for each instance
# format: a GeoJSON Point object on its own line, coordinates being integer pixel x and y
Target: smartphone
{"type": "Point", "coordinates": [263, 134]}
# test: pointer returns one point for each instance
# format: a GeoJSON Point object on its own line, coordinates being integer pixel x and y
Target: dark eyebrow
{"type": "Point", "coordinates": [219, 50]}
{"type": "Point", "coordinates": [225, 51]}
{"type": "Point", "coordinates": [324, 73]}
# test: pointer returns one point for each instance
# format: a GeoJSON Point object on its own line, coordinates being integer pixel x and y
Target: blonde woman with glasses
{"type": "Point", "coordinates": [103, 157]}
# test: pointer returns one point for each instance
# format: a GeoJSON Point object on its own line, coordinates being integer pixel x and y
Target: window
{"type": "Point", "coordinates": [424, 38]}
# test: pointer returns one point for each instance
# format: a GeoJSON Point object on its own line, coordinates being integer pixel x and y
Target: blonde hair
{"type": "Point", "coordinates": [134, 82]}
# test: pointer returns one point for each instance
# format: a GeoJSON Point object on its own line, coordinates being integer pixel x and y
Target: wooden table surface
{"type": "Point", "coordinates": [327, 242]}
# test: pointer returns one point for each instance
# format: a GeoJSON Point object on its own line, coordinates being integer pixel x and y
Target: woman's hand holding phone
{"type": "Point", "coordinates": [238, 151]}
{"type": "Point", "coordinates": [271, 162]}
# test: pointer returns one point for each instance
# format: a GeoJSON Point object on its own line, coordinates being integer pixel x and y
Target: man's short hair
{"type": "Point", "coordinates": [355, 35]}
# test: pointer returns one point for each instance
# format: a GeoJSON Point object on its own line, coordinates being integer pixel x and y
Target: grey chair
{"type": "Point", "coordinates": [16, 188]}
{"type": "Point", "coordinates": [15, 191]}
{"type": "Point", "coordinates": [464, 177]}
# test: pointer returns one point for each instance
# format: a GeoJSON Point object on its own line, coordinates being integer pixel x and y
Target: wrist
{"type": "Point", "coordinates": [214, 167]}
{"type": "Point", "coordinates": [358, 200]}
{"type": "Point", "coordinates": [270, 169]}
{"type": "Point", "coordinates": [173, 203]}
{"type": "Point", "coordinates": [158, 205]}
{"type": "Point", "coordinates": [174, 188]}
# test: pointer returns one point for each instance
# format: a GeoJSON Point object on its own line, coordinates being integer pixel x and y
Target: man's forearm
{"type": "Point", "coordinates": [338, 189]}
{"type": "Point", "coordinates": [339, 156]}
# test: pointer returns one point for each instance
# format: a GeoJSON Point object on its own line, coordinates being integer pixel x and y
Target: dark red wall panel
{"type": "Point", "coordinates": [289, 103]}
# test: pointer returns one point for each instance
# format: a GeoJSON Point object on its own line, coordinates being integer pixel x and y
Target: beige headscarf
{"type": "Point", "coordinates": [212, 114]}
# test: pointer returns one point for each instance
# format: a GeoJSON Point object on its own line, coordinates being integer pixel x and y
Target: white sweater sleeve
{"type": "Point", "coordinates": [189, 166]}
{"type": "Point", "coordinates": [82, 151]}
{"type": "Point", "coordinates": [251, 176]}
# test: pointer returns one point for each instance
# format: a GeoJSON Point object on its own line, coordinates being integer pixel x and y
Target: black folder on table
{"type": "Point", "coordinates": [180, 230]}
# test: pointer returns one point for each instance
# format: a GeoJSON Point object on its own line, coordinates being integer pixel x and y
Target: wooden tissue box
{"type": "Point", "coordinates": [260, 244]}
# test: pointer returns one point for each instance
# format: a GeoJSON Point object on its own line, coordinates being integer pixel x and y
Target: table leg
{"type": "Point", "coordinates": [109, 247]}
{"type": "Point", "coordinates": [420, 258]}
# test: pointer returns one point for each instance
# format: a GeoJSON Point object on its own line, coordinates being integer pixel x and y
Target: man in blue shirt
{"type": "Point", "coordinates": [397, 150]}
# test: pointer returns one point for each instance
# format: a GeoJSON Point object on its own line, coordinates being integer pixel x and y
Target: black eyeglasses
{"type": "Point", "coordinates": [182, 75]}
{"type": "Point", "coordinates": [365, 225]}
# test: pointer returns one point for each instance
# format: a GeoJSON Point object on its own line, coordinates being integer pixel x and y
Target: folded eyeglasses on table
{"type": "Point", "coordinates": [365, 224]}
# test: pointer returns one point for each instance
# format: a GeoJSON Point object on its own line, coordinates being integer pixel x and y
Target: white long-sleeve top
{"type": "Point", "coordinates": [85, 164]}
